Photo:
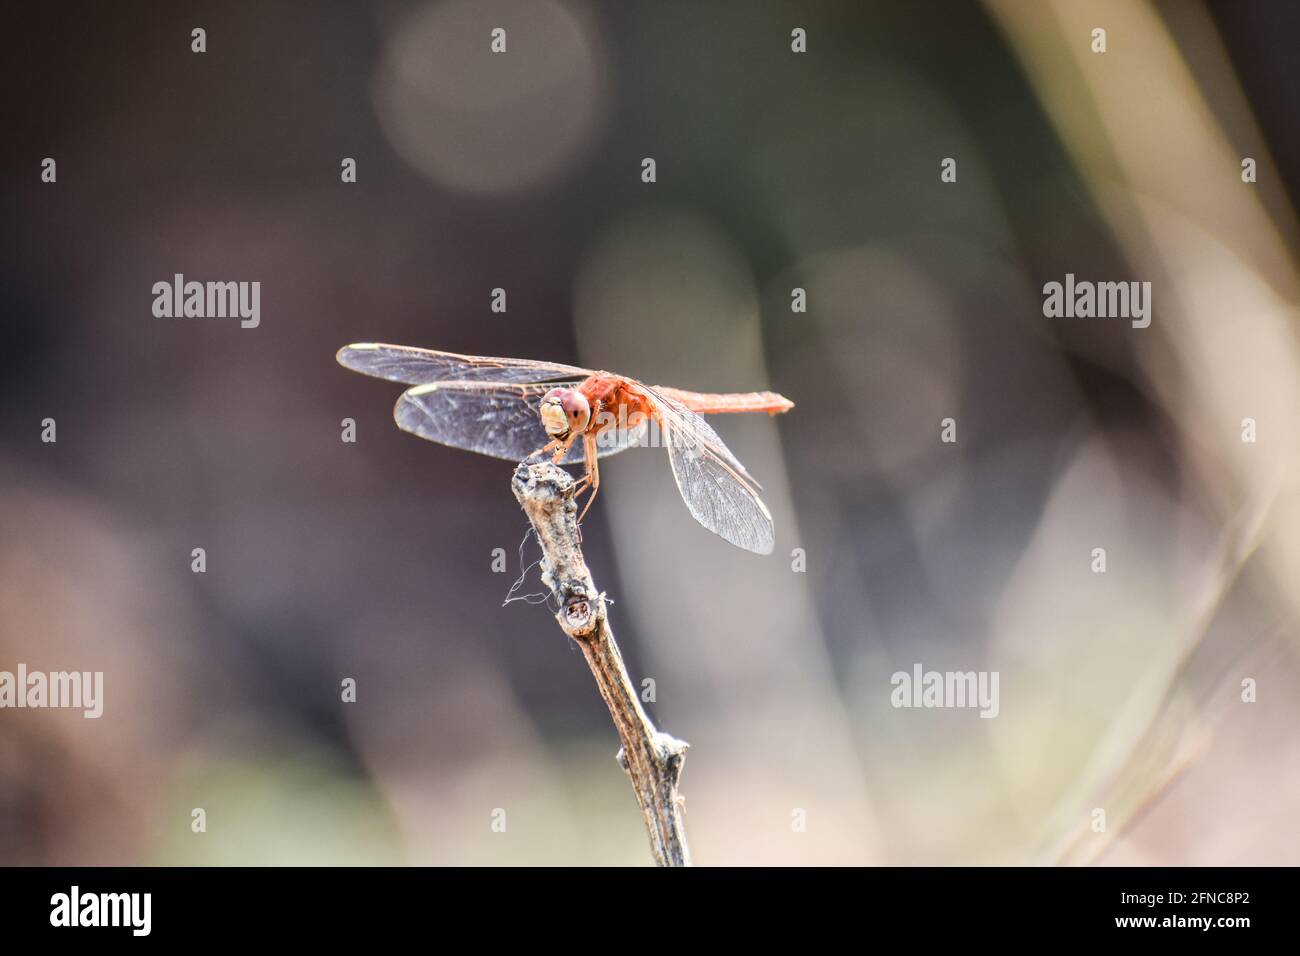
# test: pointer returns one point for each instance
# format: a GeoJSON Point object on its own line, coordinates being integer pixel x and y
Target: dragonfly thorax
{"type": "Point", "coordinates": [564, 410]}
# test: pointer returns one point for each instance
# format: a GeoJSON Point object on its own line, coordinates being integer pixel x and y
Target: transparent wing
{"type": "Point", "coordinates": [693, 423]}
{"type": "Point", "coordinates": [492, 418]}
{"type": "Point", "coordinates": [718, 492]}
{"type": "Point", "coordinates": [412, 366]}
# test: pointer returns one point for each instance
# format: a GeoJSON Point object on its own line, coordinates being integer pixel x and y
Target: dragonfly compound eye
{"type": "Point", "coordinates": [563, 410]}
{"type": "Point", "coordinates": [579, 411]}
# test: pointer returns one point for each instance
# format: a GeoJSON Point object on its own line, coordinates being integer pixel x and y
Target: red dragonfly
{"type": "Point", "coordinates": [517, 409]}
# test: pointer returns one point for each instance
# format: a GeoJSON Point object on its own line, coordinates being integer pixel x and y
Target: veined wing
{"type": "Point", "coordinates": [692, 422]}
{"type": "Point", "coordinates": [718, 492]}
{"type": "Point", "coordinates": [492, 418]}
{"type": "Point", "coordinates": [412, 366]}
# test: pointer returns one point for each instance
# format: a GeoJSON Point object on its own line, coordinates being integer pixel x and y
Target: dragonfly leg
{"type": "Point", "coordinates": [589, 455]}
{"type": "Point", "coordinates": [562, 448]}
{"type": "Point", "coordinates": [592, 477]}
{"type": "Point", "coordinates": [544, 450]}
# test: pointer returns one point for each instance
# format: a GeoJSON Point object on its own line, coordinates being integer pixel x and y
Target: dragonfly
{"type": "Point", "coordinates": [519, 409]}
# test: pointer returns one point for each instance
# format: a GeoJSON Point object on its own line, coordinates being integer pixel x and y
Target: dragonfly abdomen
{"type": "Point", "coordinates": [722, 403]}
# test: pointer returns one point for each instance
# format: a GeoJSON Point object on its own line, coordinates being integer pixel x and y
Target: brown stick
{"type": "Point", "coordinates": [652, 760]}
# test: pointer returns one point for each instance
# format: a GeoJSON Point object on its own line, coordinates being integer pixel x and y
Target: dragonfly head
{"type": "Point", "coordinates": [564, 410]}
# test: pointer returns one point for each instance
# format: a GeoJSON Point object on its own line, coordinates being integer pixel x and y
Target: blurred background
{"type": "Point", "coordinates": [776, 170]}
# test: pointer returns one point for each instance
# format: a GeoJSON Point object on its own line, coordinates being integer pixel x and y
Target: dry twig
{"type": "Point", "coordinates": [653, 760]}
